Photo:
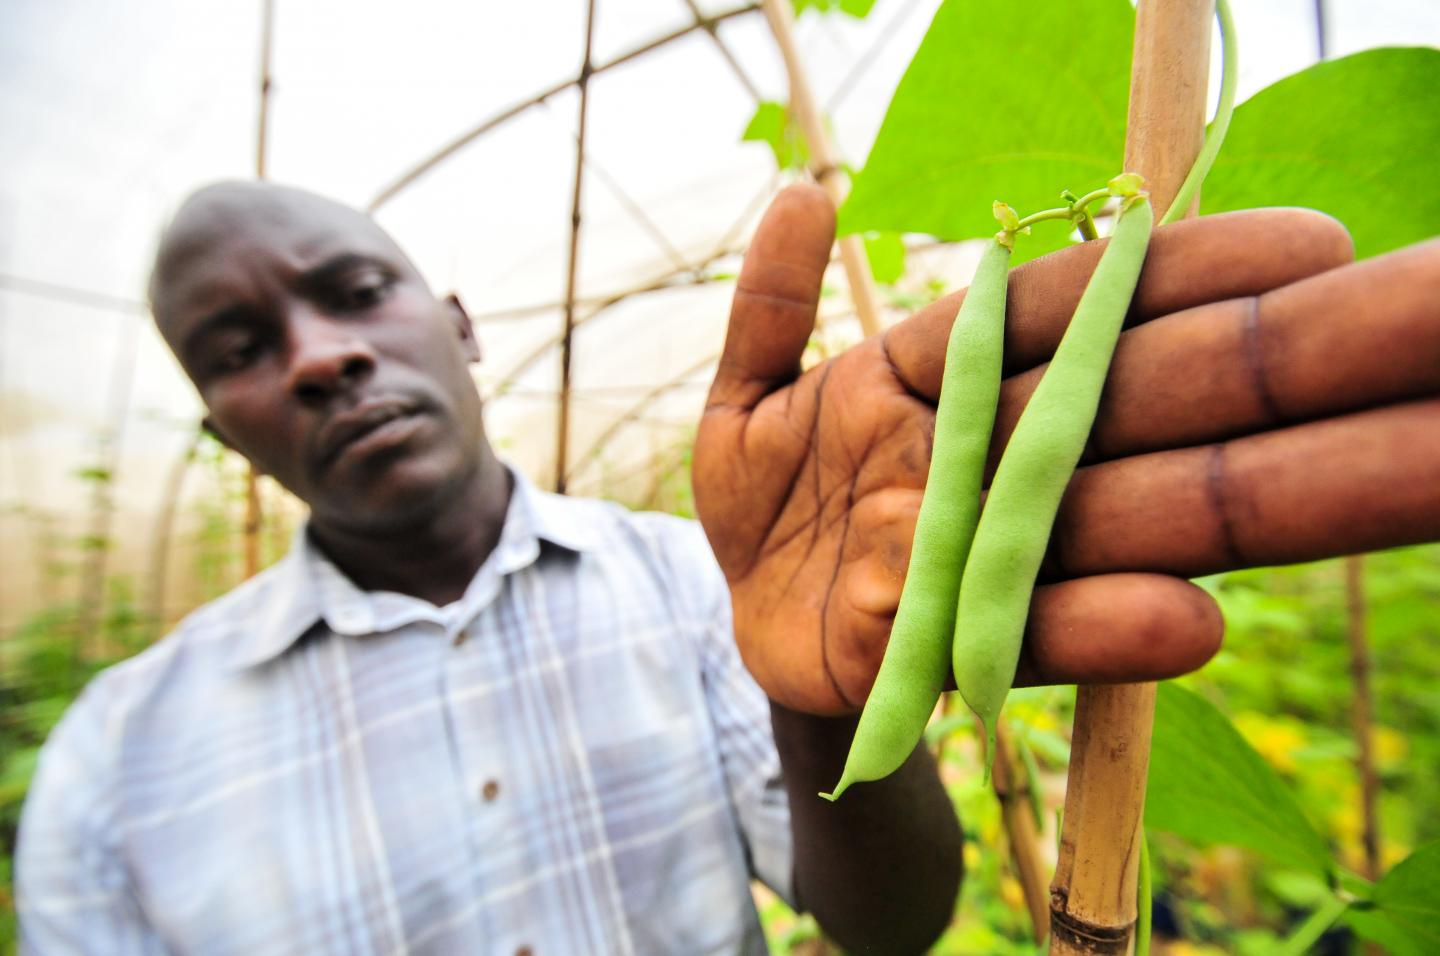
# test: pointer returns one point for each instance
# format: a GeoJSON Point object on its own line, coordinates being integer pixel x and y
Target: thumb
{"type": "Point", "coordinates": [776, 297]}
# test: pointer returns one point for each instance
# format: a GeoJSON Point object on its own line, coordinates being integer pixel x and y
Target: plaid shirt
{"type": "Point", "coordinates": [570, 759]}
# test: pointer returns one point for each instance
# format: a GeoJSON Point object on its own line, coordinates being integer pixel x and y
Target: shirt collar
{"type": "Point", "coordinates": [551, 517]}
{"type": "Point", "coordinates": [305, 587]}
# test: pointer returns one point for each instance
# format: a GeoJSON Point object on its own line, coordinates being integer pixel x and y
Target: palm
{"type": "Point", "coordinates": [816, 530]}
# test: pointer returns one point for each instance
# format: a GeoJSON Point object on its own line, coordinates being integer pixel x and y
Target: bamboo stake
{"type": "Point", "coordinates": [1013, 788]}
{"type": "Point", "coordinates": [824, 165]}
{"type": "Point", "coordinates": [562, 438]}
{"type": "Point", "coordinates": [1092, 899]}
{"type": "Point", "coordinates": [254, 513]}
{"type": "Point", "coordinates": [267, 44]}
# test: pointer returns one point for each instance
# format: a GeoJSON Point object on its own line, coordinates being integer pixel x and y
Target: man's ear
{"type": "Point", "coordinates": [468, 340]}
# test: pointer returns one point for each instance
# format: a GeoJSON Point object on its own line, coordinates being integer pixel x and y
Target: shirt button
{"type": "Point", "coordinates": [490, 791]}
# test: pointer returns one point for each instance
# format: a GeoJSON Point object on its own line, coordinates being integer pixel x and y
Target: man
{"type": "Point", "coordinates": [464, 716]}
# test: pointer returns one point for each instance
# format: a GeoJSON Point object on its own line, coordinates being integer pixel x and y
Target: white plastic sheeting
{"type": "Point", "coordinates": [111, 112]}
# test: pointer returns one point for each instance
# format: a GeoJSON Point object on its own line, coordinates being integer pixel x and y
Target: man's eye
{"type": "Point", "coordinates": [237, 356]}
{"type": "Point", "coordinates": [364, 291]}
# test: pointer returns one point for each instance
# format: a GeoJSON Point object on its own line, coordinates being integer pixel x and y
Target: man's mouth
{"type": "Point", "coordinates": [370, 426]}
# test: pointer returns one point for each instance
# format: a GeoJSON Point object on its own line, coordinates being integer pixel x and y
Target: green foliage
{"type": "Point", "coordinates": [976, 119]}
{"type": "Point", "coordinates": [886, 252]}
{"type": "Point", "coordinates": [1003, 100]}
{"type": "Point", "coordinates": [1208, 784]}
{"type": "Point", "coordinates": [772, 124]}
{"type": "Point", "coordinates": [43, 668]}
{"type": "Point", "coordinates": [859, 9]}
{"type": "Point", "coordinates": [1356, 137]}
{"type": "Point", "coordinates": [1404, 911]}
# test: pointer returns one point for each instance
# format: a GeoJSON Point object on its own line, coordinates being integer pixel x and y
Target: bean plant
{"type": "Point", "coordinates": [937, 161]}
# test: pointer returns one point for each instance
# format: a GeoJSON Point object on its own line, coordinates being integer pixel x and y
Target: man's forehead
{"type": "Point", "coordinates": [227, 220]}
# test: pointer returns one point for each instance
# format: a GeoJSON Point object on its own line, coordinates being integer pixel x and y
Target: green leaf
{"type": "Point", "coordinates": [15, 775]}
{"type": "Point", "coordinates": [886, 252]}
{"type": "Point", "coordinates": [1003, 100]}
{"type": "Point", "coordinates": [1355, 137]}
{"type": "Point", "coordinates": [772, 124]}
{"type": "Point", "coordinates": [96, 473]}
{"type": "Point", "coordinates": [859, 9]}
{"type": "Point", "coordinates": [1207, 784]}
{"type": "Point", "coordinates": [1404, 912]}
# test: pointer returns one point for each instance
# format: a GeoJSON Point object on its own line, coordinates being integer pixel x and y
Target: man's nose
{"type": "Point", "coordinates": [327, 356]}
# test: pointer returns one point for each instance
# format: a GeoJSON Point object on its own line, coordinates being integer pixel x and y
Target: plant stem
{"type": "Point", "coordinates": [1215, 136]}
{"type": "Point", "coordinates": [1360, 712]}
{"type": "Point", "coordinates": [1101, 194]}
{"type": "Point", "coordinates": [1013, 787]}
{"type": "Point", "coordinates": [1310, 931]}
{"type": "Point", "coordinates": [1046, 214]}
{"type": "Point", "coordinates": [1146, 901]}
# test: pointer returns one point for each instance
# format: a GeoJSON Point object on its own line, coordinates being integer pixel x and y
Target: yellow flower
{"type": "Point", "coordinates": [1275, 739]}
{"type": "Point", "coordinates": [1011, 893]}
{"type": "Point", "coordinates": [1390, 746]}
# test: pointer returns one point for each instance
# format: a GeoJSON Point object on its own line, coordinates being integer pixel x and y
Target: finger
{"type": "Point", "coordinates": [1104, 629]}
{"type": "Point", "coordinates": [776, 295]}
{"type": "Point", "coordinates": [1359, 336]}
{"type": "Point", "coordinates": [1360, 482]}
{"type": "Point", "coordinates": [1117, 628]}
{"type": "Point", "coordinates": [1190, 263]}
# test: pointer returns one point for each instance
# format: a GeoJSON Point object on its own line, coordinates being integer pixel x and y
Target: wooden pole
{"type": "Point", "coordinates": [562, 427]}
{"type": "Point", "coordinates": [824, 165]}
{"type": "Point", "coordinates": [1092, 898]}
{"type": "Point", "coordinates": [254, 513]}
{"type": "Point", "coordinates": [1013, 788]}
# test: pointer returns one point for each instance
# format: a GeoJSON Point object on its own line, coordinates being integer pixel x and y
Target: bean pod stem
{"type": "Point", "coordinates": [917, 658]}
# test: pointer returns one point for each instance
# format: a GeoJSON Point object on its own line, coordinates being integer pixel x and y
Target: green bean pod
{"type": "Point", "coordinates": [1015, 526]}
{"type": "Point", "coordinates": [913, 671]}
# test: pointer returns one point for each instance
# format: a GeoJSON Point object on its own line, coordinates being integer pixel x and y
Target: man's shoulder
{"type": "Point", "coordinates": [197, 651]}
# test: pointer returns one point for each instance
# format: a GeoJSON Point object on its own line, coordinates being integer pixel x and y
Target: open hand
{"type": "Point", "coordinates": [1269, 403]}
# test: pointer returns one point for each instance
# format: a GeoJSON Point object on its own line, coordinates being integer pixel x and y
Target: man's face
{"type": "Point", "coordinates": [320, 353]}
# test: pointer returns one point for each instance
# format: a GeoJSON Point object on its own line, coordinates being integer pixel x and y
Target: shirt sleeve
{"type": "Point", "coordinates": [72, 893]}
{"type": "Point", "coordinates": [740, 718]}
